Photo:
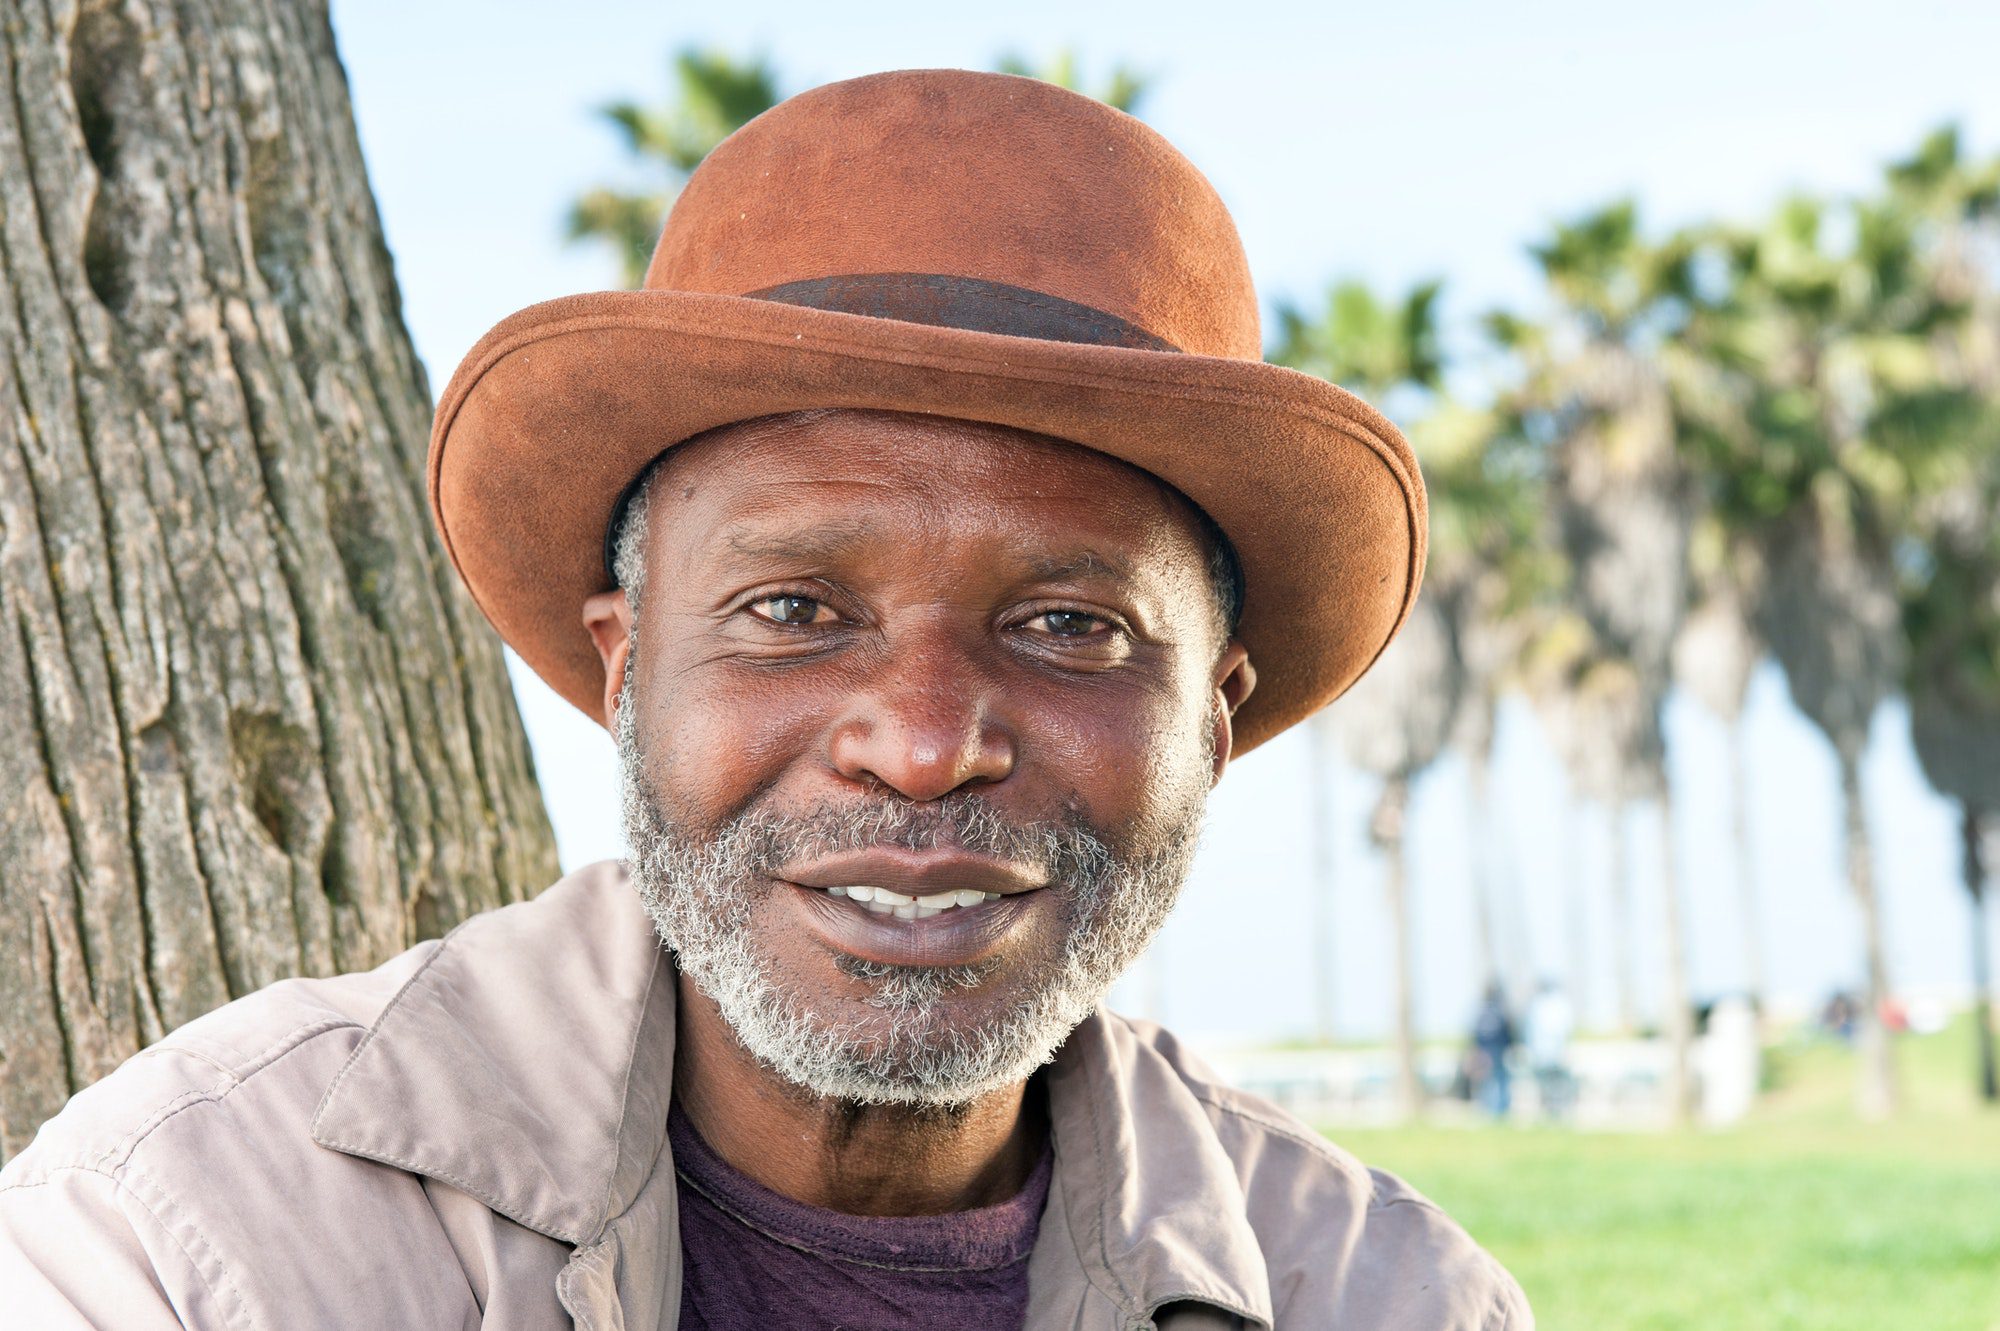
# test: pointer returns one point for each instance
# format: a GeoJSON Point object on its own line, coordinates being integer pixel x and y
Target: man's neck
{"type": "Point", "coordinates": [860, 1159]}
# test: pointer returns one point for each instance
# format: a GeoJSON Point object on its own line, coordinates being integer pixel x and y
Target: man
{"type": "Point", "coordinates": [931, 537]}
{"type": "Point", "coordinates": [1550, 1022]}
{"type": "Point", "coordinates": [1493, 1040]}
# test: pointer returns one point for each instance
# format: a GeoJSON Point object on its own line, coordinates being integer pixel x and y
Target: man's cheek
{"type": "Point", "coordinates": [727, 740]}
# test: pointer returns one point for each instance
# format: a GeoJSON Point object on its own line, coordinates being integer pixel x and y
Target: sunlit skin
{"type": "Point", "coordinates": [866, 605]}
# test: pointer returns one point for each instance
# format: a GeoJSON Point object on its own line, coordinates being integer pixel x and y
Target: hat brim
{"type": "Point", "coordinates": [551, 415]}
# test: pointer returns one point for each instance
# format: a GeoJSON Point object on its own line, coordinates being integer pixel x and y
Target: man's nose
{"type": "Point", "coordinates": [927, 723]}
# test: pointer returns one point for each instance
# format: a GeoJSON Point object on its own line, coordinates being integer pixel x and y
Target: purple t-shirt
{"type": "Point", "coordinates": [756, 1261]}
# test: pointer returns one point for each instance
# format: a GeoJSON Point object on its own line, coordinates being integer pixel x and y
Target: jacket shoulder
{"type": "Point", "coordinates": [1345, 1244]}
{"type": "Point", "coordinates": [288, 1038]}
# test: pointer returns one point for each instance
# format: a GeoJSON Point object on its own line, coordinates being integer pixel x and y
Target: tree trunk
{"type": "Point", "coordinates": [250, 727]}
{"type": "Point", "coordinates": [1577, 913]}
{"type": "Point", "coordinates": [1970, 825]}
{"type": "Point", "coordinates": [1679, 1023]}
{"type": "Point", "coordinates": [1621, 920]}
{"type": "Point", "coordinates": [1388, 834]}
{"type": "Point", "coordinates": [1746, 868]}
{"type": "Point", "coordinates": [1479, 769]}
{"type": "Point", "coordinates": [1319, 792]}
{"type": "Point", "coordinates": [1876, 1092]}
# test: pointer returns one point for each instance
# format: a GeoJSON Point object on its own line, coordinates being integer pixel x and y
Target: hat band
{"type": "Point", "coordinates": [944, 300]}
{"type": "Point", "coordinates": [941, 300]}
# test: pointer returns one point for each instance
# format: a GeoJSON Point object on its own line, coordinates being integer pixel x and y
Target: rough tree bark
{"type": "Point", "coordinates": [249, 725]}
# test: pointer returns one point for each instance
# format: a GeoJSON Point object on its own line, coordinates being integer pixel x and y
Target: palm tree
{"type": "Point", "coordinates": [1495, 576]}
{"type": "Point", "coordinates": [1955, 726]}
{"type": "Point", "coordinates": [1824, 353]}
{"type": "Point", "coordinates": [1595, 712]}
{"type": "Point", "coordinates": [1714, 658]}
{"type": "Point", "coordinates": [1598, 403]}
{"type": "Point", "coordinates": [1952, 599]}
{"type": "Point", "coordinates": [1394, 723]}
{"type": "Point", "coordinates": [715, 94]}
{"type": "Point", "coordinates": [1379, 349]}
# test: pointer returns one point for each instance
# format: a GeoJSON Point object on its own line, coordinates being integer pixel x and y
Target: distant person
{"type": "Point", "coordinates": [1548, 1024]}
{"type": "Point", "coordinates": [1839, 1015]}
{"type": "Point", "coordinates": [1493, 1038]}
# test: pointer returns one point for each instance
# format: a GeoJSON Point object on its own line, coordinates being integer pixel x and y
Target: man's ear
{"type": "Point", "coordinates": [1235, 680]}
{"type": "Point", "coordinates": [608, 617]}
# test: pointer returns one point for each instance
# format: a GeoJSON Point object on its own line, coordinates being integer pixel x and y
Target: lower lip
{"type": "Point", "coordinates": [958, 937]}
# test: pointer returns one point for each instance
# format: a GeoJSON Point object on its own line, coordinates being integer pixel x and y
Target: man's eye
{"type": "Point", "coordinates": [792, 609]}
{"type": "Point", "coordinates": [1068, 623]}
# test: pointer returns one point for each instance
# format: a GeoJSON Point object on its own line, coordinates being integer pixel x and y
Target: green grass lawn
{"type": "Point", "coordinates": [1802, 1217]}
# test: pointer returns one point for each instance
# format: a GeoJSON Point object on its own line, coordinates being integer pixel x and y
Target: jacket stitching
{"type": "Point", "coordinates": [1318, 1146]}
{"type": "Point", "coordinates": [166, 1200]}
{"type": "Point", "coordinates": [566, 1283]}
{"type": "Point", "coordinates": [1213, 1300]}
{"type": "Point", "coordinates": [1505, 1302]}
{"type": "Point", "coordinates": [376, 1026]}
{"type": "Point", "coordinates": [1421, 1203]}
{"type": "Point", "coordinates": [214, 1093]}
{"type": "Point", "coordinates": [123, 1188]}
{"type": "Point", "coordinates": [603, 1221]}
{"type": "Point", "coordinates": [1110, 1175]}
{"type": "Point", "coordinates": [422, 977]}
{"type": "Point", "coordinates": [465, 1186]}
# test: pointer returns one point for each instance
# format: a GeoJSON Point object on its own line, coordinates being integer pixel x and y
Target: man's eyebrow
{"type": "Point", "coordinates": [822, 541]}
{"type": "Point", "coordinates": [1079, 564]}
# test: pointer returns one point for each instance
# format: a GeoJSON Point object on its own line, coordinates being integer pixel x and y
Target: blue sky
{"type": "Point", "coordinates": [1389, 142]}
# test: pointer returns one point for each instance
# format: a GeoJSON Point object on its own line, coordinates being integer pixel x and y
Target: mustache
{"type": "Point", "coordinates": [1067, 851]}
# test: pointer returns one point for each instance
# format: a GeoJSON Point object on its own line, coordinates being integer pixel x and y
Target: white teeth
{"type": "Point", "coordinates": [882, 901]}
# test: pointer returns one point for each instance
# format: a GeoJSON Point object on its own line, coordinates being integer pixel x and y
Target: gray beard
{"type": "Point", "coordinates": [701, 891]}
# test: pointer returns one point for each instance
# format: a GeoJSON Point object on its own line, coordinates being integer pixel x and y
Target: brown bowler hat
{"type": "Point", "coordinates": [979, 246]}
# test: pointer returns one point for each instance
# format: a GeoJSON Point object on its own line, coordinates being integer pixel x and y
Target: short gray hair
{"type": "Point", "coordinates": [628, 544]}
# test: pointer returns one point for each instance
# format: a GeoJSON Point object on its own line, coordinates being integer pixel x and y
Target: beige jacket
{"type": "Point", "coordinates": [474, 1135]}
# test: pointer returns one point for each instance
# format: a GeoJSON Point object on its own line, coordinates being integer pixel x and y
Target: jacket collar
{"type": "Point", "coordinates": [529, 1064]}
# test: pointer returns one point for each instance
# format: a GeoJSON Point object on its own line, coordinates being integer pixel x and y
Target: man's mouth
{"type": "Point", "coordinates": [885, 901]}
{"type": "Point", "coordinates": [941, 906]}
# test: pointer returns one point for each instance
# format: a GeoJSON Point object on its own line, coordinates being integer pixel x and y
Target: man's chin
{"type": "Point", "coordinates": [914, 1036]}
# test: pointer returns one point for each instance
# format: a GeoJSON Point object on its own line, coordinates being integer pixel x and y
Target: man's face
{"type": "Point", "coordinates": [887, 653]}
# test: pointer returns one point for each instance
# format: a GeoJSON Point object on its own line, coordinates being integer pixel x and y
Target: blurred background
{"type": "Point", "coordinates": [1632, 906]}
